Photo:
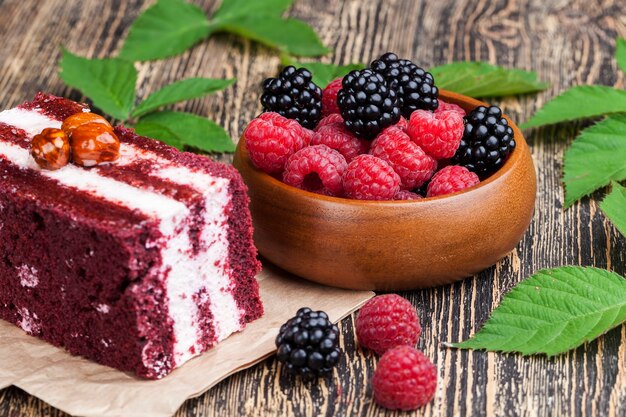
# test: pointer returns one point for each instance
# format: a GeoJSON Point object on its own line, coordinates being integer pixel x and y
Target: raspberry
{"type": "Point", "coordinates": [329, 120]}
{"type": "Point", "coordinates": [402, 125]}
{"type": "Point", "coordinates": [407, 195]}
{"type": "Point", "coordinates": [308, 134]}
{"type": "Point", "coordinates": [271, 139]}
{"type": "Point", "coordinates": [318, 169]}
{"type": "Point", "coordinates": [406, 158]}
{"type": "Point", "coordinates": [405, 379]}
{"type": "Point", "coordinates": [329, 97]}
{"type": "Point", "coordinates": [387, 321]}
{"type": "Point", "coordinates": [370, 178]}
{"type": "Point", "coordinates": [438, 134]}
{"type": "Point", "coordinates": [451, 179]}
{"type": "Point", "coordinates": [443, 106]}
{"type": "Point", "coordinates": [336, 136]}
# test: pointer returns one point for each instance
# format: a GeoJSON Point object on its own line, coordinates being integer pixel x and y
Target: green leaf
{"type": "Point", "coordinates": [554, 311]}
{"type": "Point", "coordinates": [287, 35]}
{"type": "Point", "coordinates": [325, 73]}
{"type": "Point", "coordinates": [109, 83]}
{"type": "Point", "coordinates": [167, 28]}
{"type": "Point", "coordinates": [620, 53]}
{"type": "Point", "coordinates": [185, 130]}
{"type": "Point", "coordinates": [614, 207]}
{"type": "Point", "coordinates": [232, 9]}
{"type": "Point", "coordinates": [597, 157]}
{"type": "Point", "coordinates": [180, 91]}
{"type": "Point", "coordinates": [480, 79]}
{"type": "Point", "coordinates": [580, 102]}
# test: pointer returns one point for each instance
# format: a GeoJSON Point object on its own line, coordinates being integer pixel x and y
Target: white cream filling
{"type": "Point", "coordinates": [30, 121]}
{"type": "Point", "coordinates": [186, 274]}
{"type": "Point", "coordinates": [215, 278]}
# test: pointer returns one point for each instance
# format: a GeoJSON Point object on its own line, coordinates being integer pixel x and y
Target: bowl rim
{"type": "Point", "coordinates": [508, 166]}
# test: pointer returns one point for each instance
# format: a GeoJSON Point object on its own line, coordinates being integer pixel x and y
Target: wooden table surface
{"type": "Point", "coordinates": [566, 42]}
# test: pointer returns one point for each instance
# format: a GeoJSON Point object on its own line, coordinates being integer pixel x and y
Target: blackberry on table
{"type": "Point", "coordinates": [367, 104]}
{"type": "Point", "coordinates": [414, 86]}
{"type": "Point", "coordinates": [487, 141]}
{"type": "Point", "coordinates": [294, 95]}
{"type": "Point", "coordinates": [308, 344]}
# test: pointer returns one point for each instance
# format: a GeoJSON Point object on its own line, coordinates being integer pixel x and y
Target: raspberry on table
{"type": "Point", "coordinates": [415, 87]}
{"type": "Point", "coordinates": [336, 136]}
{"type": "Point", "coordinates": [407, 195]}
{"type": "Point", "coordinates": [387, 321]}
{"type": "Point", "coordinates": [367, 104]}
{"type": "Point", "coordinates": [308, 344]}
{"type": "Point", "coordinates": [329, 97]}
{"type": "Point", "coordinates": [405, 379]}
{"type": "Point", "coordinates": [370, 178]}
{"type": "Point", "coordinates": [271, 139]}
{"type": "Point", "coordinates": [443, 106]}
{"type": "Point", "coordinates": [438, 134]}
{"type": "Point", "coordinates": [451, 179]}
{"type": "Point", "coordinates": [406, 158]}
{"type": "Point", "coordinates": [487, 141]}
{"type": "Point", "coordinates": [316, 168]}
{"type": "Point", "coordinates": [294, 95]}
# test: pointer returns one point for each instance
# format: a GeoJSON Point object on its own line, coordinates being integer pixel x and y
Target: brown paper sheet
{"type": "Point", "coordinates": [84, 388]}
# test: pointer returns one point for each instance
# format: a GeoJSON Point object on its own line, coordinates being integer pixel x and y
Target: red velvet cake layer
{"type": "Point", "coordinates": [138, 265]}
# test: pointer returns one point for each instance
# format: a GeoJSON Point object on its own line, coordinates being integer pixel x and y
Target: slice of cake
{"type": "Point", "coordinates": [140, 264]}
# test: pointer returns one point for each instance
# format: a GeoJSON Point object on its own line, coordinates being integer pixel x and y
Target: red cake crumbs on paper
{"type": "Point", "coordinates": [139, 265]}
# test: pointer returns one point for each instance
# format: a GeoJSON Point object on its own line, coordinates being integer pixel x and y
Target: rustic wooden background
{"type": "Point", "coordinates": [566, 42]}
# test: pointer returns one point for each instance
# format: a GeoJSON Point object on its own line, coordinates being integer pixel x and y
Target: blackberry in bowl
{"type": "Point", "coordinates": [367, 104]}
{"type": "Point", "coordinates": [415, 87]}
{"type": "Point", "coordinates": [487, 141]}
{"type": "Point", "coordinates": [294, 95]}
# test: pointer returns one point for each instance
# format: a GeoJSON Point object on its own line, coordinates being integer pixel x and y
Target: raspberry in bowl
{"type": "Point", "coordinates": [426, 196]}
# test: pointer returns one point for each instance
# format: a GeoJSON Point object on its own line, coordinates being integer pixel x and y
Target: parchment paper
{"type": "Point", "coordinates": [84, 388]}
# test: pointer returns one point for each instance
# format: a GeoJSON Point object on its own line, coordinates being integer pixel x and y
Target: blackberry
{"type": "Point", "coordinates": [367, 104]}
{"type": "Point", "coordinates": [308, 344]}
{"type": "Point", "coordinates": [487, 141]}
{"type": "Point", "coordinates": [415, 87]}
{"type": "Point", "coordinates": [293, 95]}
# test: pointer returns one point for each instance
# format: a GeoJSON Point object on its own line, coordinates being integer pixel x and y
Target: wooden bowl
{"type": "Point", "coordinates": [392, 245]}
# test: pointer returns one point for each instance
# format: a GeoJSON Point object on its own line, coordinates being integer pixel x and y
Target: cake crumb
{"type": "Point", "coordinates": [103, 308]}
{"type": "Point", "coordinates": [29, 322]}
{"type": "Point", "coordinates": [28, 276]}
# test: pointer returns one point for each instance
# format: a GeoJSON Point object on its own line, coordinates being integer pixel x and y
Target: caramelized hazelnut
{"type": "Point", "coordinates": [94, 144]}
{"type": "Point", "coordinates": [80, 119]}
{"type": "Point", "coordinates": [51, 149]}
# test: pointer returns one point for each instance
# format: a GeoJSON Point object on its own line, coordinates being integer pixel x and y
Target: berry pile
{"type": "Point", "coordinates": [405, 379]}
{"type": "Point", "coordinates": [380, 133]}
